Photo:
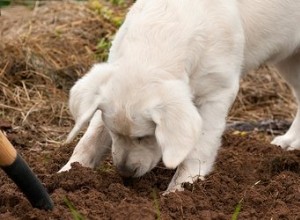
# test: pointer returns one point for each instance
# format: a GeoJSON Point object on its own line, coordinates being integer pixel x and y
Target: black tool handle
{"type": "Point", "coordinates": [29, 184]}
{"type": "Point", "coordinates": [18, 170]}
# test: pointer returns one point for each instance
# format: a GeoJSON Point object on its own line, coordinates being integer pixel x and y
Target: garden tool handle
{"type": "Point", "coordinates": [8, 153]}
{"type": "Point", "coordinates": [18, 170]}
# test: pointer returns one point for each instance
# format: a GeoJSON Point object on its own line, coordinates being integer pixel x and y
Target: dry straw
{"type": "Point", "coordinates": [42, 53]}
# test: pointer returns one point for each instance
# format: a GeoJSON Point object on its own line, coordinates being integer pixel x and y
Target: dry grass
{"type": "Point", "coordinates": [263, 95]}
{"type": "Point", "coordinates": [45, 50]}
{"type": "Point", "coordinates": [265, 104]}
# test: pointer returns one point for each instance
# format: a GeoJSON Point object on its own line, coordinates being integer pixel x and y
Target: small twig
{"type": "Point", "coordinates": [10, 107]}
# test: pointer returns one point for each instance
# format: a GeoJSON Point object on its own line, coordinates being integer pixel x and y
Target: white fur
{"type": "Point", "coordinates": [173, 72]}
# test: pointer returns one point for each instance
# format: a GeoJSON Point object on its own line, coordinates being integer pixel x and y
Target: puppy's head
{"type": "Point", "coordinates": [148, 119]}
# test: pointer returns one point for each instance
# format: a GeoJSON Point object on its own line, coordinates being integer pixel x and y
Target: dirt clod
{"type": "Point", "coordinates": [266, 179]}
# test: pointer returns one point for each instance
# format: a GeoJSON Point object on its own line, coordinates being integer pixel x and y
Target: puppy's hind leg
{"type": "Point", "coordinates": [290, 70]}
{"type": "Point", "coordinates": [92, 147]}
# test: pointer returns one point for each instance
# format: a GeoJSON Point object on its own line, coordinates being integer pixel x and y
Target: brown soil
{"type": "Point", "coordinates": [43, 52]}
{"type": "Point", "coordinates": [262, 178]}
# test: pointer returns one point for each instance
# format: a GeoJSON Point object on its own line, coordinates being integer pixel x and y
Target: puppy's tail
{"type": "Point", "coordinates": [81, 122]}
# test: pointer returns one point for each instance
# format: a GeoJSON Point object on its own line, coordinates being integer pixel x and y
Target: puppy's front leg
{"type": "Point", "coordinates": [201, 159]}
{"type": "Point", "coordinates": [92, 147]}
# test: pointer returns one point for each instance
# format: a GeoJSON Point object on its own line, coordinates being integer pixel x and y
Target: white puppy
{"type": "Point", "coordinates": [173, 72]}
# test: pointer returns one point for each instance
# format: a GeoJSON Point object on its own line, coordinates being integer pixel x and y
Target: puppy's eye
{"type": "Point", "coordinates": [140, 139]}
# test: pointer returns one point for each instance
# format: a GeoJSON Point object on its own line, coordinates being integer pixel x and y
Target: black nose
{"type": "Point", "coordinates": [126, 171]}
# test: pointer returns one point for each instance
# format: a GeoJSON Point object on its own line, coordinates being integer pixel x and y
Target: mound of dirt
{"type": "Point", "coordinates": [262, 178]}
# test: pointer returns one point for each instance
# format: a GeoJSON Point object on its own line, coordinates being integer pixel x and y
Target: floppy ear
{"type": "Point", "coordinates": [178, 126]}
{"type": "Point", "coordinates": [86, 96]}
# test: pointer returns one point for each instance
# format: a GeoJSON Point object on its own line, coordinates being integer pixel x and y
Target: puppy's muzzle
{"type": "Point", "coordinates": [126, 171]}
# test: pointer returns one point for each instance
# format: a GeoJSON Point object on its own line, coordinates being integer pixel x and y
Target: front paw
{"type": "Point", "coordinates": [174, 187]}
{"type": "Point", "coordinates": [181, 183]}
{"type": "Point", "coordinates": [177, 188]}
{"type": "Point", "coordinates": [65, 168]}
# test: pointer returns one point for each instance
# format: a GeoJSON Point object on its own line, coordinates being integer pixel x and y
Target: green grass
{"type": "Point", "coordinates": [106, 168]}
{"type": "Point", "coordinates": [28, 3]}
{"type": "Point", "coordinates": [4, 3]}
{"type": "Point", "coordinates": [237, 210]}
{"type": "Point", "coordinates": [76, 215]}
{"type": "Point", "coordinates": [31, 3]}
{"type": "Point", "coordinates": [156, 204]}
{"type": "Point", "coordinates": [238, 207]}
{"type": "Point", "coordinates": [102, 49]}
{"type": "Point", "coordinates": [107, 12]}
{"type": "Point", "coordinates": [117, 2]}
